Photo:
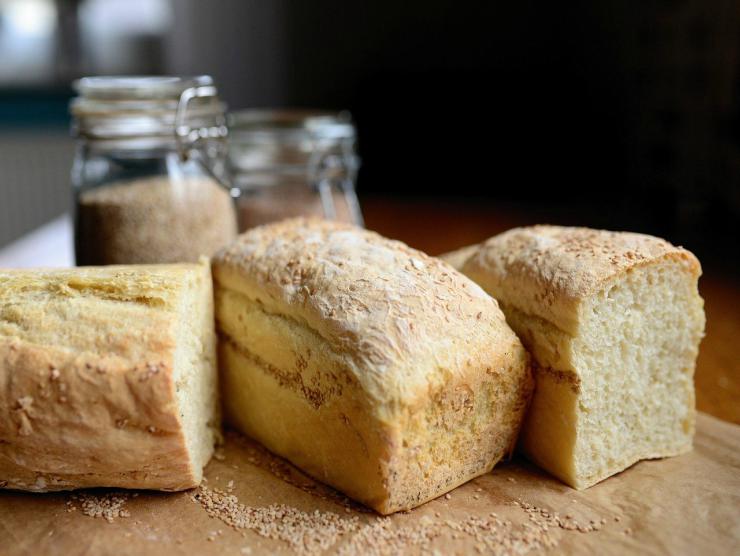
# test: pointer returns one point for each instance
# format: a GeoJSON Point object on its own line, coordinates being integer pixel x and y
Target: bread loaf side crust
{"type": "Point", "coordinates": [380, 347]}
{"type": "Point", "coordinates": [88, 399]}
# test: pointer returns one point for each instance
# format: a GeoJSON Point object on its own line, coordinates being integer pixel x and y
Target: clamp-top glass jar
{"type": "Point", "coordinates": [287, 163]}
{"type": "Point", "coordinates": [149, 170]}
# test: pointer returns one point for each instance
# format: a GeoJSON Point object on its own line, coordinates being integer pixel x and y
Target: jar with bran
{"type": "Point", "coordinates": [148, 176]}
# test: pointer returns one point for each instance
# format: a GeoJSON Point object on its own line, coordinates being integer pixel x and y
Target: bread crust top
{"type": "Point", "coordinates": [155, 284]}
{"type": "Point", "coordinates": [403, 320]}
{"type": "Point", "coordinates": [547, 270]}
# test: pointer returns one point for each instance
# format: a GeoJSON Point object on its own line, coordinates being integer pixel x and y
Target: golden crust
{"type": "Point", "coordinates": [547, 270]}
{"type": "Point", "coordinates": [88, 393]}
{"type": "Point", "coordinates": [399, 378]}
{"type": "Point", "coordinates": [387, 306]}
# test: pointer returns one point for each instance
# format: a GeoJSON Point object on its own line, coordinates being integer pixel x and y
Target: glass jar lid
{"type": "Point", "coordinates": [130, 107]}
{"type": "Point", "coordinates": [264, 139]}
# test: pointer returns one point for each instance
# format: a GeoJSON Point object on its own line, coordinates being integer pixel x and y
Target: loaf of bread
{"type": "Point", "coordinates": [614, 322]}
{"type": "Point", "coordinates": [107, 377]}
{"type": "Point", "coordinates": [458, 257]}
{"type": "Point", "coordinates": [373, 367]}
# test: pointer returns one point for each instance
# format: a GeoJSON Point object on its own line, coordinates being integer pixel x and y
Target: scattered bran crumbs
{"type": "Point", "coordinates": [501, 537]}
{"type": "Point", "coordinates": [108, 506]}
{"type": "Point", "coordinates": [309, 533]}
{"type": "Point", "coordinates": [305, 533]}
{"type": "Point", "coordinates": [381, 537]}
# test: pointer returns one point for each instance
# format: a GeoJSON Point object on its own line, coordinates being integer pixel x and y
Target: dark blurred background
{"type": "Point", "coordinates": [615, 114]}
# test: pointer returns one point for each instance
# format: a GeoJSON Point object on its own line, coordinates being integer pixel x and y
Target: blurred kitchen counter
{"type": "Point", "coordinates": [436, 227]}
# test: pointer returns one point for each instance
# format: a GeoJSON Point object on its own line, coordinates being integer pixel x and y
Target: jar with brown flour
{"type": "Point", "coordinates": [149, 174]}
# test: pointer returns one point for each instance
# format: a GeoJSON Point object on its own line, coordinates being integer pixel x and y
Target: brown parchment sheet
{"type": "Point", "coordinates": [684, 505]}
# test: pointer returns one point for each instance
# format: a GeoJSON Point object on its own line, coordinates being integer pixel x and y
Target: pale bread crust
{"type": "Point", "coordinates": [402, 329]}
{"type": "Point", "coordinates": [546, 270]}
{"type": "Point", "coordinates": [90, 401]}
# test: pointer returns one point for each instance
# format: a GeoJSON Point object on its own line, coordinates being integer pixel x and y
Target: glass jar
{"type": "Point", "coordinates": [148, 175]}
{"type": "Point", "coordinates": [287, 163]}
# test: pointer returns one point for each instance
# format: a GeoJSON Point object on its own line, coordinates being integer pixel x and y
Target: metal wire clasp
{"type": "Point", "coordinates": [187, 137]}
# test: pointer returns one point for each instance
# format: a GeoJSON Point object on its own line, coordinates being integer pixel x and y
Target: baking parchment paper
{"type": "Point", "coordinates": [684, 505]}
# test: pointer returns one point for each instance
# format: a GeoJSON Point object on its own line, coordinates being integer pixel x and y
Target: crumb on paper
{"type": "Point", "coordinates": [309, 533]}
{"type": "Point", "coordinates": [108, 506]}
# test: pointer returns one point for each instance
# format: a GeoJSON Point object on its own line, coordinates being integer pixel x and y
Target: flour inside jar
{"type": "Point", "coordinates": [159, 219]}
